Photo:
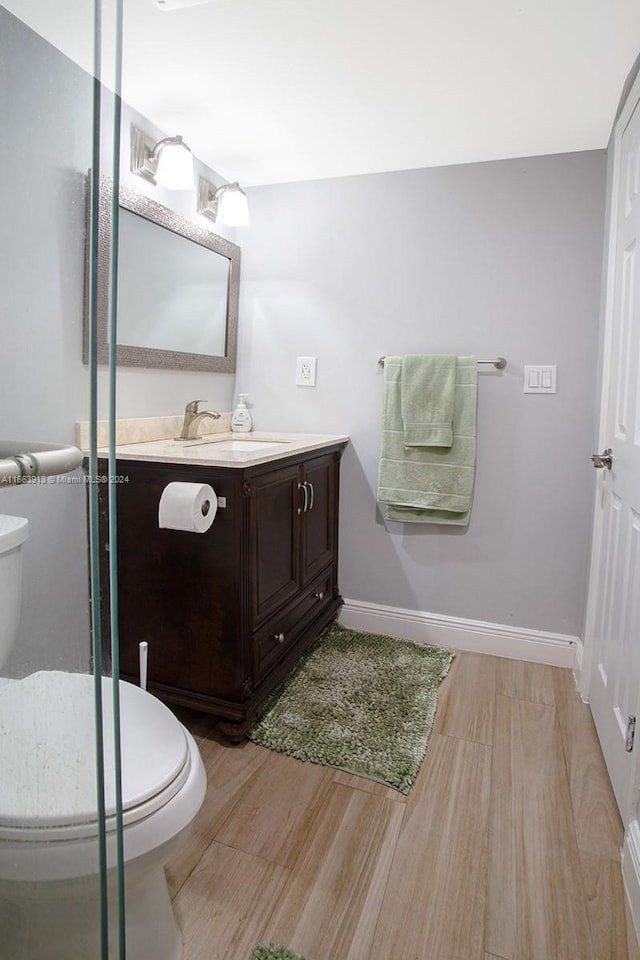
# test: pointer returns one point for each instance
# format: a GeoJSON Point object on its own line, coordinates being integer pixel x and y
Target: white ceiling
{"type": "Point", "coordinates": [268, 91]}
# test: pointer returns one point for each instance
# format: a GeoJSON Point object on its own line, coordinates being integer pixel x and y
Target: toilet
{"type": "Point", "coordinates": [49, 825]}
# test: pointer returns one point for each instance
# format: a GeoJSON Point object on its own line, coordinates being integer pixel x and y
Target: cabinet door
{"type": "Point", "coordinates": [319, 533]}
{"type": "Point", "coordinates": [274, 540]}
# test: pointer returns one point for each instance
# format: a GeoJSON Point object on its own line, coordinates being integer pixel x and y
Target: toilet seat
{"type": "Point", "coordinates": [13, 532]}
{"type": "Point", "coordinates": [47, 739]}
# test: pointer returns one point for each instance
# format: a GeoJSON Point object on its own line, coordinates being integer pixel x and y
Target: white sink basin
{"type": "Point", "coordinates": [246, 444]}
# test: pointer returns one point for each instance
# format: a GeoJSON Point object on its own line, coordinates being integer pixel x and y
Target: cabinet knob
{"type": "Point", "coordinates": [279, 637]}
{"type": "Point", "coordinates": [320, 595]}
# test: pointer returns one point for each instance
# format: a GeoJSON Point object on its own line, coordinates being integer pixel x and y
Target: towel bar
{"type": "Point", "coordinates": [498, 362]}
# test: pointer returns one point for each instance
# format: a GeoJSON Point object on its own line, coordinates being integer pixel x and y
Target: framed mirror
{"type": "Point", "coordinates": [178, 288]}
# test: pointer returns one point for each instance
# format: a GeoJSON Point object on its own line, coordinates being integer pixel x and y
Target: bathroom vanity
{"type": "Point", "coordinates": [226, 613]}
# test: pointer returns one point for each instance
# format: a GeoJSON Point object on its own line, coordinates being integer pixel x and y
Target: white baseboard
{"type": "Point", "coordinates": [577, 668]}
{"type": "Point", "coordinates": [579, 657]}
{"type": "Point", "coordinates": [536, 646]}
{"type": "Point", "coordinates": [631, 872]}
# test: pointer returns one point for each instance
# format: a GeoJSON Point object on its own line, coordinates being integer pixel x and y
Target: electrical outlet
{"type": "Point", "coordinates": [306, 372]}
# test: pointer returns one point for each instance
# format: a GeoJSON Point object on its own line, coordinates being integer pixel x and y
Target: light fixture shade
{"type": "Point", "coordinates": [232, 205]}
{"type": "Point", "coordinates": [175, 164]}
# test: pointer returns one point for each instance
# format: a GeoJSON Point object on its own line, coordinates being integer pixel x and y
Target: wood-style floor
{"type": "Point", "coordinates": [507, 846]}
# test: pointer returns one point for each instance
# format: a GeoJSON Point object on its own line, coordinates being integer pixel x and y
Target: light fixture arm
{"type": "Point", "coordinates": [225, 186]}
{"type": "Point", "coordinates": [155, 153]}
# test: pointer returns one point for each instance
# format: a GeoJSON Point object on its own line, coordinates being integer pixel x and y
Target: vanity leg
{"type": "Point", "coordinates": [235, 732]}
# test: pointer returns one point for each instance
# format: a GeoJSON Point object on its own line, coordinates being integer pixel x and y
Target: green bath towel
{"type": "Point", "coordinates": [428, 395]}
{"type": "Point", "coordinates": [428, 484]}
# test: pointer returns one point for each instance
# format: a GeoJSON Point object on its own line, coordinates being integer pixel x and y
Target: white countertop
{"type": "Point", "coordinates": [209, 450]}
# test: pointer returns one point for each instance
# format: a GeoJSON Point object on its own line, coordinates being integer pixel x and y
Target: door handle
{"type": "Point", "coordinates": [310, 485]}
{"type": "Point", "coordinates": [303, 487]}
{"type": "Point", "coordinates": [601, 460]}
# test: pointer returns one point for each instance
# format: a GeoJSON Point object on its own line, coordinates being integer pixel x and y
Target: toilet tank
{"type": "Point", "coordinates": [13, 533]}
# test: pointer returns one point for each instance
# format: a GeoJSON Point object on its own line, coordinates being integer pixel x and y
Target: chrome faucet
{"type": "Point", "coordinates": [192, 418]}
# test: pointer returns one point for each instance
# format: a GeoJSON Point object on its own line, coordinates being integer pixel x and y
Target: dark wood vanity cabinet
{"type": "Point", "coordinates": [225, 613]}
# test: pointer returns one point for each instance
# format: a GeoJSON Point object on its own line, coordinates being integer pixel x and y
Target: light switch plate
{"type": "Point", "coordinates": [540, 378]}
{"type": "Point", "coordinates": [306, 371]}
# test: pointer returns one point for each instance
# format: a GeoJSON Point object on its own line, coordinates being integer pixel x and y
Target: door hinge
{"type": "Point", "coordinates": [631, 733]}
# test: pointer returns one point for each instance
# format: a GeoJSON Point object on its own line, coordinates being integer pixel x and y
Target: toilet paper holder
{"type": "Point", "coordinates": [187, 506]}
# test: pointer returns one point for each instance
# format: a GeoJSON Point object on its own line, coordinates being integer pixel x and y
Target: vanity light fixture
{"type": "Point", "coordinates": [227, 203]}
{"type": "Point", "coordinates": [168, 162]}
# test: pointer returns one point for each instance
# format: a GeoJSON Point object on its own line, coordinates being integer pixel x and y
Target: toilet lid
{"type": "Point", "coordinates": [13, 532]}
{"type": "Point", "coordinates": [48, 754]}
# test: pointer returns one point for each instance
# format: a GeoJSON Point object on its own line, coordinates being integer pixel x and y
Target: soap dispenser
{"type": "Point", "coordinates": [241, 418]}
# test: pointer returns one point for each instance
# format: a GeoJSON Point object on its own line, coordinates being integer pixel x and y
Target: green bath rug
{"type": "Point", "coordinates": [361, 702]}
{"type": "Point", "coordinates": [270, 951]}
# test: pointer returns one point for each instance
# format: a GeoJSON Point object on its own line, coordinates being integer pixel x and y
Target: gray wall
{"type": "Point", "coordinates": [485, 259]}
{"type": "Point", "coordinates": [45, 151]}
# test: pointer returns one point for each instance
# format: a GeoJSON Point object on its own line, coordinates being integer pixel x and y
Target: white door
{"type": "Point", "coordinates": [613, 623]}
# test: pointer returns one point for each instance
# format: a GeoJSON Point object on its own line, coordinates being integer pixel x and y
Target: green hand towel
{"type": "Point", "coordinates": [428, 393]}
{"type": "Point", "coordinates": [429, 484]}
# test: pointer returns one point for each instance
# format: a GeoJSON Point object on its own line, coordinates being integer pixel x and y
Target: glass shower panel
{"type": "Point", "coordinates": [60, 848]}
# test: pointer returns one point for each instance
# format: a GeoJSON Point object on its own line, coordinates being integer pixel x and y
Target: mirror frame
{"type": "Point", "coordinates": [131, 356]}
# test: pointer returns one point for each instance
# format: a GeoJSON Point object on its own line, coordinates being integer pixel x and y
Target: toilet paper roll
{"type": "Point", "coordinates": [187, 506]}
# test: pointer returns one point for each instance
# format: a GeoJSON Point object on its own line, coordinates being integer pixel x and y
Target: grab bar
{"type": "Point", "coordinates": [22, 461]}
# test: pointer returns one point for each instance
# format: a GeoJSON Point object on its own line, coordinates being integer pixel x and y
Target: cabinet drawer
{"type": "Point", "coordinates": [276, 637]}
